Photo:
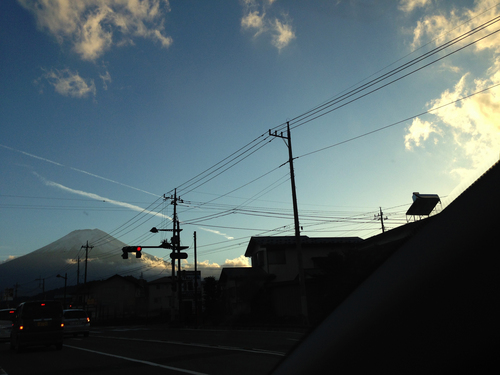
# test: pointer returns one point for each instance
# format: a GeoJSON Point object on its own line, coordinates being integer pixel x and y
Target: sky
{"type": "Point", "coordinates": [110, 107]}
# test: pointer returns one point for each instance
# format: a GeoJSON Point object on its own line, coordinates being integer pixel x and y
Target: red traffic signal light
{"type": "Point", "coordinates": [131, 249]}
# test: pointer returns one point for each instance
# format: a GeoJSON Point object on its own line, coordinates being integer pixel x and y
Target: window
{"type": "Point", "coordinates": [258, 260]}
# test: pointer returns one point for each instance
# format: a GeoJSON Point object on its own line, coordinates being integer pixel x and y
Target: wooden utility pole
{"type": "Point", "coordinates": [85, 296]}
{"type": "Point", "coordinates": [86, 247]}
{"type": "Point", "coordinates": [195, 283]}
{"type": "Point", "coordinates": [298, 244]}
{"type": "Point", "coordinates": [380, 217]}
{"type": "Point", "coordinates": [175, 245]}
{"type": "Point", "coordinates": [42, 284]}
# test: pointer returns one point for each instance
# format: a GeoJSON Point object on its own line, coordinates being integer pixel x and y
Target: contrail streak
{"type": "Point", "coordinates": [100, 198]}
{"type": "Point", "coordinates": [78, 170]}
{"type": "Point", "coordinates": [118, 203]}
{"type": "Point", "coordinates": [217, 232]}
{"type": "Point", "coordinates": [32, 156]}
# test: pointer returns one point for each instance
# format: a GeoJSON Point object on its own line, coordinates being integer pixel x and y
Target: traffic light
{"type": "Point", "coordinates": [132, 249]}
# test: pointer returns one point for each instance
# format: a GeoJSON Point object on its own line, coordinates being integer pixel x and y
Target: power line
{"type": "Point", "coordinates": [322, 112]}
{"type": "Point", "coordinates": [399, 122]}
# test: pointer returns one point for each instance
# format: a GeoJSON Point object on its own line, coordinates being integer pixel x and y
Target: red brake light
{"type": "Point", "coordinates": [43, 304]}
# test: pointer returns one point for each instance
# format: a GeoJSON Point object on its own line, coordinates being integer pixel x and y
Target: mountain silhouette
{"type": "Point", "coordinates": [32, 272]}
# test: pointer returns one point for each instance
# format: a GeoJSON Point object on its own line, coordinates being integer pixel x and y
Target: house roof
{"type": "Point", "coordinates": [433, 304]}
{"type": "Point", "coordinates": [290, 241]}
{"type": "Point", "coordinates": [97, 283]}
{"type": "Point", "coordinates": [162, 280]}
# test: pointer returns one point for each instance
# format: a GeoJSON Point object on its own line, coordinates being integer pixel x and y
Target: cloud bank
{"type": "Point", "coordinates": [214, 269]}
{"type": "Point", "coordinates": [472, 125]}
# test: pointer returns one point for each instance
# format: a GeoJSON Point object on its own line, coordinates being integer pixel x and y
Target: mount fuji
{"type": "Point", "coordinates": [30, 273]}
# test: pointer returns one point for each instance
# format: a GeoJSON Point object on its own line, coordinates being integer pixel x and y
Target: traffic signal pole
{"type": "Point", "coordinates": [175, 246]}
{"type": "Point", "coordinates": [176, 250]}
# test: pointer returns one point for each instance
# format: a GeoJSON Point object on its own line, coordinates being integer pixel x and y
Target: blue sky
{"type": "Point", "coordinates": [106, 105]}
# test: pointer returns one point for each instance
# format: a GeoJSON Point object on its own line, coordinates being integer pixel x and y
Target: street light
{"type": "Point", "coordinates": [65, 277]}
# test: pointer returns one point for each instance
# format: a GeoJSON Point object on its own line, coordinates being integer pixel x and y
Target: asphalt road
{"type": "Point", "coordinates": [154, 350]}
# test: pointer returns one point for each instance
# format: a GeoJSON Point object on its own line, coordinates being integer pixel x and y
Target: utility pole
{"type": "Point", "coordinates": [380, 217]}
{"type": "Point", "coordinates": [43, 285]}
{"type": "Point", "coordinates": [65, 277]}
{"type": "Point", "coordinates": [86, 247]}
{"type": "Point", "coordinates": [175, 245]}
{"type": "Point", "coordinates": [298, 245]}
{"type": "Point", "coordinates": [195, 283]}
{"type": "Point", "coordinates": [176, 241]}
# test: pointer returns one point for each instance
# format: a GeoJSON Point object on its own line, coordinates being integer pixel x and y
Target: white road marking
{"type": "Point", "coordinates": [233, 348]}
{"type": "Point", "coordinates": [138, 360]}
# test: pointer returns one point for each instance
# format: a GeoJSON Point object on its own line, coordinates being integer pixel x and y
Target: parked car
{"type": "Point", "coordinates": [37, 323]}
{"type": "Point", "coordinates": [76, 321]}
{"type": "Point", "coordinates": [6, 317]}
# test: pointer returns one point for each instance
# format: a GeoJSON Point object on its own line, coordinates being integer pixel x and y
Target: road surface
{"type": "Point", "coordinates": [154, 350]}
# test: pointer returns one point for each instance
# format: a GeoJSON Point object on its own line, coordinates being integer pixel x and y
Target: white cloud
{"type": "Point", "coordinates": [9, 258]}
{"type": "Point", "coordinates": [418, 132]}
{"type": "Point", "coordinates": [470, 126]}
{"type": "Point", "coordinates": [70, 83]}
{"type": "Point", "coordinates": [279, 29]}
{"type": "Point", "coordinates": [283, 34]}
{"type": "Point", "coordinates": [105, 79]}
{"type": "Point", "coordinates": [408, 6]}
{"type": "Point", "coordinates": [473, 124]}
{"type": "Point", "coordinates": [457, 22]}
{"type": "Point", "coordinates": [241, 261]}
{"type": "Point", "coordinates": [201, 265]}
{"type": "Point", "coordinates": [254, 21]}
{"type": "Point", "coordinates": [93, 26]}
